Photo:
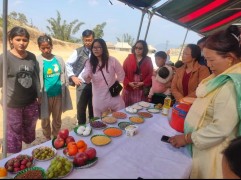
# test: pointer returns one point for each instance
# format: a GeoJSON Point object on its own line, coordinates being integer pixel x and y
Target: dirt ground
{"type": "Point", "coordinates": [69, 117]}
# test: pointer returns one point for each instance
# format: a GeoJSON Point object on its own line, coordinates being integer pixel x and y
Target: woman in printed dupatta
{"type": "Point", "coordinates": [138, 72]}
{"type": "Point", "coordinates": [213, 120]}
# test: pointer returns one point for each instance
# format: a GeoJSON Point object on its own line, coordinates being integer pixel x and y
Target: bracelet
{"type": "Point", "coordinates": [186, 138]}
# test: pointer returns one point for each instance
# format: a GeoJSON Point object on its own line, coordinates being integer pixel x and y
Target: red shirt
{"type": "Point", "coordinates": [185, 82]}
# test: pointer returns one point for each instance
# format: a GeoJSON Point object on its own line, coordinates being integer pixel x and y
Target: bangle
{"type": "Point", "coordinates": [186, 138]}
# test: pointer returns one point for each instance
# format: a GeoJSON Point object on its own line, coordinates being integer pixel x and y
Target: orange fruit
{"type": "Point", "coordinates": [72, 150]}
{"type": "Point", "coordinates": [3, 172]}
{"type": "Point", "coordinates": [70, 144]}
{"type": "Point", "coordinates": [80, 144]}
{"type": "Point", "coordinates": [82, 149]}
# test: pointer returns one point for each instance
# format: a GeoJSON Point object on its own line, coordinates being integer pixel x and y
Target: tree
{"type": "Point", "coordinates": [22, 18]}
{"type": "Point", "coordinates": [65, 30]}
{"type": "Point", "coordinates": [19, 17]}
{"type": "Point", "coordinates": [126, 38]}
{"type": "Point", "coordinates": [98, 30]}
{"type": "Point", "coordinates": [13, 15]}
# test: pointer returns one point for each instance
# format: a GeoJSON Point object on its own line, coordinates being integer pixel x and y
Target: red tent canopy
{"type": "Point", "coordinates": [201, 16]}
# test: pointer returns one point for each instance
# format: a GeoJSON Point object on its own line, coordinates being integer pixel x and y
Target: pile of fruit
{"type": "Point", "coordinates": [74, 147]}
{"type": "Point", "coordinates": [62, 139]}
{"type": "Point", "coordinates": [59, 167]}
{"type": "Point", "coordinates": [19, 163]}
{"type": "Point", "coordinates": [43, 153]}
{"type": "Point", "coordinates": [83, 158]}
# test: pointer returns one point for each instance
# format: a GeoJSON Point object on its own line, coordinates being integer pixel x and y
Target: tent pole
{"type": "Point", "coordinates": [139, 31]}
{"type": "Point", "coordinates": [4, 92]}
{"type": "Point", "coordinates": [184, 40]}
{"type": "Point", "coordinates": [149, 22]}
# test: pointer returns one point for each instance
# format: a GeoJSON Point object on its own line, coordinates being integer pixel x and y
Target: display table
{"type": "Point", "coordinates": [143, 155]}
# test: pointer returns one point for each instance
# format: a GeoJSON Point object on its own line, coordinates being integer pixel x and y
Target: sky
{"type": "Point", "coordinates": [119, 17]}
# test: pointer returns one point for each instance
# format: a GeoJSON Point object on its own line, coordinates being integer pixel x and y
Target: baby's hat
{"type": "Point", "coordinates": [164, 74]}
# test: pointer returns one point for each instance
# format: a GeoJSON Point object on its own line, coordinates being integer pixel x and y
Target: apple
{"type": "Point", "coordinates": [63, 133]}
{"type": "Point", "coordinates": [91, 153]}
{"type": "Point", "coordinates": [58, 143]}
{"type": "Point", "coordinates": [16, 164]}
{"type": "Point", "coordinates": [69, 139]}
{"type": "Point", "coordinates": [22, 167]}
{"type": "Point", "coordinates": [16, 169]}
{"type": "Point", "coordinates": [80, 159]}
{"type": "Point", "coordinates": [24, 161]}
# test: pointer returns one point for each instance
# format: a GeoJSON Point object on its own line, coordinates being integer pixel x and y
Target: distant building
{"type": "Point", "coordinates": [110, 45]}
{"type": "Point", "coordinates": [151, 49]}
{"type": "Point", "coordinates": [151, 54]}
{"type": "Point", "coordinates": [122, 46]}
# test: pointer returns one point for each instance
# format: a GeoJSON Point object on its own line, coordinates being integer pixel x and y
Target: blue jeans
{"type": "Point", "coordinates": [84, 99]}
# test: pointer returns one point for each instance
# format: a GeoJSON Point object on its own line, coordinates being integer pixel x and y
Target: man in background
{"type": "Point", "coordinates": [75, 65]}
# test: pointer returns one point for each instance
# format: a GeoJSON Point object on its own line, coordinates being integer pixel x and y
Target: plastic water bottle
{"type": "Point", "coordinates": [166, 106]}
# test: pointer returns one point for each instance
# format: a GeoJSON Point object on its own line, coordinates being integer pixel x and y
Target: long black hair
{"type": "Point", "coordinates": [226, 41]}
{"type": "Point", "coordinates": [232, 155]}
{"type": "Point", "coordinates": [104, 56]}
{"type": "Point", "coordinates": [195, 51]}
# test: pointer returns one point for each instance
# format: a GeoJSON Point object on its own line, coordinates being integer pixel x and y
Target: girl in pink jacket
{"type": "Point", "coordinates": [161, 84]}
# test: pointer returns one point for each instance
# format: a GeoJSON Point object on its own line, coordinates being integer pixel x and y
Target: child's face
{"type": "Point", "coordinates": [46, 49]}
{"type": "Point", "coordinates": [20, 43]}
{"type": "Point", "coordinates": [227, 172]}
{"type": "Point", "coordinates": [160, 61]}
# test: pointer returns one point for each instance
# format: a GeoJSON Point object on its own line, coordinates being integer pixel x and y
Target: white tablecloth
{"type": "Point", "coordinates": [143, 155]}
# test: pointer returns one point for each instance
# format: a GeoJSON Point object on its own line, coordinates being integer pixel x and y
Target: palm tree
{"type": "Point", "coordinates": [98, 30]}
{"type": "Point", "coordinates": [126, 38]}
{"type": "Point", "coordinates": [63, 31]}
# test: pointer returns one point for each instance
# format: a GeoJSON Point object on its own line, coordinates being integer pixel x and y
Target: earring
{"type": "Point", "coordinates": [230, 63]}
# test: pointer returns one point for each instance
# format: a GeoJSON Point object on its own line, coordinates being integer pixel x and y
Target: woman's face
{"type": "Point", "coordinates": [46, 49]}
{"type": "Point", "coordinates": [187, 55]}
{"type": "Point", "coordinates": [139, 49]}
{"type": "Point", "coordinates": [97, 49]}
{"type": "Point", "coordinates": [217, 63]}
{"type": "Point", "coordinates": [19, 43]}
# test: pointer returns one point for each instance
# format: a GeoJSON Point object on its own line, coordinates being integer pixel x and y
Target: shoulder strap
{"type": "Point", "coordinates": [104, 77]}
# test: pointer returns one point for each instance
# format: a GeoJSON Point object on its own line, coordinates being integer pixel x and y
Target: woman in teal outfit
{"type": "Point", "coordinates": [54, 87]}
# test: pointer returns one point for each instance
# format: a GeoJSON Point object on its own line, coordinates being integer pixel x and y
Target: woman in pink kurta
{"type": "Point", "coordinates": [112, 70]}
